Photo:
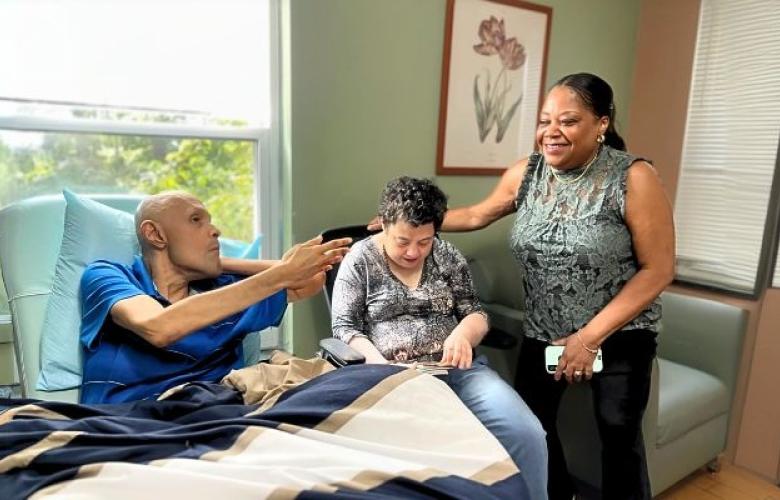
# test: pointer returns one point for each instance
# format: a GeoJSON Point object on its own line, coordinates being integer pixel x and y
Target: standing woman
{"type": "Point", "coordinates": [595, 236]}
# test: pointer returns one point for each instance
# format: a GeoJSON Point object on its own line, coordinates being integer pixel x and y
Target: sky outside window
{"type": "Point", "coordinates": [180, 55]}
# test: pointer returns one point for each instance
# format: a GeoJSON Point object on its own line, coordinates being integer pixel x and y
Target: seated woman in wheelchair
{"type": "Point", "coordinates": [404, 295]}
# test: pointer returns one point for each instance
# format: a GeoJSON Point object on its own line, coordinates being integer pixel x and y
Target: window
{"type": "Point", "coordinates": [731, 142]}
{"type": "Point", "coordinates": [200, 59]}
{"type": "Point", "coordinates": [220, 172]}
{"type": "Point", "coordinates": [145, 96]}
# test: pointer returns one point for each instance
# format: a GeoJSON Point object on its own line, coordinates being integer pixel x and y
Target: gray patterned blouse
{"type": "Point", "coordinates": [573, 243]}
{"type": "Point", "coordinates": [404, 324]}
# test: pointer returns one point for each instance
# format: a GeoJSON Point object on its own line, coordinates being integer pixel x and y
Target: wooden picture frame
{"type": "Point", "coordinates": [492, 85]}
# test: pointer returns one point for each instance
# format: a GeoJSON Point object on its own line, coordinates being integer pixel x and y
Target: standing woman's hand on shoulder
{"type": "Point", "coordinates": [375, 224]}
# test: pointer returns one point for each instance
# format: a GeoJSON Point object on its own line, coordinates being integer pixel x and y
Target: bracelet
{"type": "Point", "coordinates": [592, 350]}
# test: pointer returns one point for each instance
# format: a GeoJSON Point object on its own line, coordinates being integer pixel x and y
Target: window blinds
{"type": "Point", "coordinates": [730, 146]}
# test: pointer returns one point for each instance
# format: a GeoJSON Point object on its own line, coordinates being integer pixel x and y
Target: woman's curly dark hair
{"type": "Point", "coordinates": [416, 201]}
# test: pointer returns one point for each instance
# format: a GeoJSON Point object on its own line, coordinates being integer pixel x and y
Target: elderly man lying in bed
{"type": "Point", "coordinates": [179, 313]}
{"type": "Point", "coordinates": [404, 295]}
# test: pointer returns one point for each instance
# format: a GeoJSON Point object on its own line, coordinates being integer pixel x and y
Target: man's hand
{"type": "Point", "coordinates": [457, 351]}
{"type": "Point", "coordinates": [307, 288]}
{"type": "Point", "coordinates": [304, 260]}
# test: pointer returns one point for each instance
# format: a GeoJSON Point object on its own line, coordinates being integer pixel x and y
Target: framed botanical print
{"type": "Point", "coordinates": [493, 73]}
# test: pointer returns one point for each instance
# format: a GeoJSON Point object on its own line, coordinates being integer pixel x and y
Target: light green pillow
{"type": "Point", "coordinates": [92, 231]}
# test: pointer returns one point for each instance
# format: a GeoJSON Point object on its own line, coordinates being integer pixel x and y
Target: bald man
{"type": "Point", "coordinates": [179, 312]}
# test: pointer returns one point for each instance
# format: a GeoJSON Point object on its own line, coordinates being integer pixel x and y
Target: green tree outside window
{"type": "Point", "coordinates": [219, 172]}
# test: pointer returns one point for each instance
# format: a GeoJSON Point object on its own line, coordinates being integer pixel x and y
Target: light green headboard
{"type": "Point", "coordinates": [30, 237]}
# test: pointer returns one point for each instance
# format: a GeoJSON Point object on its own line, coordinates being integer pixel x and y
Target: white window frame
{"type": "Point", "coordinates": [270, 203]}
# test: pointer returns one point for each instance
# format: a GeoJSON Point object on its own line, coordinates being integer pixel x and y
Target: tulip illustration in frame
{"type": "Point", "coordinates": [492, 84]}
{"type": "Point", "coordinates": [490, 98]}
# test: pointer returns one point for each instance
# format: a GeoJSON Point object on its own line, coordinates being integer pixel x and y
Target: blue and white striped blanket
{"type": "Point", "coordinates": [370, 431]}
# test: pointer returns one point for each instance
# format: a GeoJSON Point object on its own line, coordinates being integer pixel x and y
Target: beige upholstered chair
{"type": "Point", "coordinates": [691, 396]}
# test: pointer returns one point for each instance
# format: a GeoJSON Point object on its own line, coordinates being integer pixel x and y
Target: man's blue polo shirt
{"type": "Point", "coordinates": [120, 366]}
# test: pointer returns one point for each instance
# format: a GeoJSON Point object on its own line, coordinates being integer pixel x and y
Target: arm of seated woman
{"type": "Point", "coordinates": [458, 347]}
{"type": "Point", "coordinates": [365, 347]}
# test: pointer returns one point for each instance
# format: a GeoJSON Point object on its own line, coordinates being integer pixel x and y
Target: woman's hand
{"type": "Point", "coordinates": [456, 351]}
{"type": "Point", "coordinates": [375, 224]}
{"type": "Point", "coordinates": [576, 363]}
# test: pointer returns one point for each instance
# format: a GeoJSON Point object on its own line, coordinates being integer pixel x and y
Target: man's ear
{"type": "Point", "coordinates": [153, 234]}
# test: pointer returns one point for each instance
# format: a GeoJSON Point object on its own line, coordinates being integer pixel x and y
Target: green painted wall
{"type": "Point", "coordinates": [363, 105]}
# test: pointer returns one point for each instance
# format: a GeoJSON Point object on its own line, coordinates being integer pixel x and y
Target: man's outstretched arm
{"type": "Point", "coordinates": [162, 326]}
{"type": "Point", "coordinates": [249, 267]}
{"type": "Point", "coordinates": [246, 267]}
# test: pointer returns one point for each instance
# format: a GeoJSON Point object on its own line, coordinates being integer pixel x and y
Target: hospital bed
{"type": "Point", "coordinates": [361, 431]}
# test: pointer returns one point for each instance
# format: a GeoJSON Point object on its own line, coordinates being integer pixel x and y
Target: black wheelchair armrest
{"type": "Point", "coordinates": [339, 354]}
{"type": "Point", "coordinates": [498, 339]}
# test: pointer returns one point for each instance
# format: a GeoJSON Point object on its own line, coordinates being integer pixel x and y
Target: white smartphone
{"type": "Point", "coordinates": [552, 353]}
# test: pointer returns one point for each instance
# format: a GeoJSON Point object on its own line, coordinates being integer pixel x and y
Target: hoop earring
{"type": "Point", "coordinates": [600, 138]}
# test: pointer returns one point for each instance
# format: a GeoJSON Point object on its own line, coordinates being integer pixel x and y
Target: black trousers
{"type": "Point", "coordinates": [620, 394]}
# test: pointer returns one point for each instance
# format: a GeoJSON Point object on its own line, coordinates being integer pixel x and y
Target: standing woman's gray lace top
{"type": "Point", "coordinates": [573, 243]}
{"type": "Point", "coordinates": [404, 324]}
